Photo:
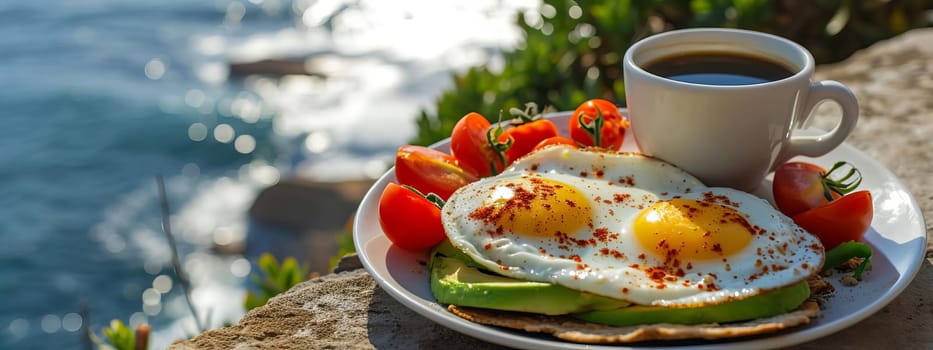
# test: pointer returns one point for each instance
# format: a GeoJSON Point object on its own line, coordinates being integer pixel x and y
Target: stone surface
{"type": "Point", "coordinates": [344, 310]}
{"type": "Point", "coordinates": [893, 81]}
{"type": "Point", "coordinates": [894, 84]}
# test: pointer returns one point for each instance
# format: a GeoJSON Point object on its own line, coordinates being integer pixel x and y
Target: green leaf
{"type": "Point", "coordinates": [274, 278]}
{"type": "Point", "coordinates": [839, 20]}
{"type": "Point", "coordinates": [253, 301]}
{"type": "Point", "coordinates": [120, 336]}
{"type": "Point", "coordinates": [344, 246]}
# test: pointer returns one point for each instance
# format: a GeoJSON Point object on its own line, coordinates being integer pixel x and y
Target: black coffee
{"type": "Point", "coordinates": [718, 69]}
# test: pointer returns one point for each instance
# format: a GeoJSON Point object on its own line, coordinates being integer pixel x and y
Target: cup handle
{"type": "Point", "coordinates": [814, 146]}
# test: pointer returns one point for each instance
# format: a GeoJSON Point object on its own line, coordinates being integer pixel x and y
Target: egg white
{"type": "Point", "coordinates": [781, 254]}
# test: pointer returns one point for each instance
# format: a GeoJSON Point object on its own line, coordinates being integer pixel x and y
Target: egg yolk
{"type": "Point", "coordinates": [537, 207]}
{"type": "Point", "coordinates": [683, 230]}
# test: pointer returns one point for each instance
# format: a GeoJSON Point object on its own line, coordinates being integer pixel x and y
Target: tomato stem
{"type": "Point", "coordinates": [528, 115]}
{"type": "Point", "coordinates": [594, 128]}
{"type": "Point", "coordinates": [848, 183]}
{"type": "Point", "coordinates": [431, 197]}
{"type": "Point", "coordinates": [498, 147]}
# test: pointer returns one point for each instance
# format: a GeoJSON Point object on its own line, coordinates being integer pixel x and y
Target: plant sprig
{"type": "Point", "coordinates": [498, 147]}
{"type": "Point", "coordinates": [274, 278]}
{"type": "Point", "coordinates": [594, 128]}
{"type": "Point", "coordinates": [847, 183]}
{"type": "Point", "coordinates": [431, 197]}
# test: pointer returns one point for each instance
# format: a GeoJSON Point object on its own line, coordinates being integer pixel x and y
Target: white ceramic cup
{"type": "Point", "coordinates": [734, 135]}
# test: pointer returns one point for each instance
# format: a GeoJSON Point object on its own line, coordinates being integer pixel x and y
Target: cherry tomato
{"type": "Point", "coordinates": [408, 219]}
{"type": "Point", "coordinates": [476, 147]}
{"type": "Point", "coordinates": [587, 129]}
{"type": "Point", "coordinates": [800, 186]}
{"type": "Point", "coordinates": [526, 136]}
{"type": "Point", "coordinates": [556, 140]}
{"type": "Point", "coordinates": [842, 220]}
{"type": "Point", "coordinates": [430, 171]}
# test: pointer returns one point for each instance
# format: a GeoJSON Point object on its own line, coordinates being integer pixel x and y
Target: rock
{"type": "Point", "coordinates": [272, 67]}
{"type": "Point", "coordinates": [348, 262]}
{"type": "Point", "coordinates": [338, 311]}
{"type": "Point", "coordinates": [893, 81]}
{"type": "Point", "coordinates": [300, 204]}
{"type": "Point", "coordinates": [313, 213]}
{"type": "Point", "coordinates": [236, 247]}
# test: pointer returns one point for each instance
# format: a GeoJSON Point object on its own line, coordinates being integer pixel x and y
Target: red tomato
{"type": "Point", "coordinates": [474, 147]}
{"type": "Point", "coordinates": [556, 140]}
{"type": "Point", "coordinates": [842, 220]}
{"type": "Point", "coordinates": [799, 186]}
{"type": "Point", "coordinates": [526, 136]}
{"type": "Point", "coordinates": [430, 171]}
{"type": "Point", "coordinates": [588, 130]}
{"type": "Point", "coordinates": [408, 219]}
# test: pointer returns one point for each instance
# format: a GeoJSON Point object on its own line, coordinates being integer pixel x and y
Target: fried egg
{"type": "Point", "coordinates": [627, 226]}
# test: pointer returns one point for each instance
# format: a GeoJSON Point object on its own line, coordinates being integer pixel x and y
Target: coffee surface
{"type": "Point", "coordinates": [718, 69]}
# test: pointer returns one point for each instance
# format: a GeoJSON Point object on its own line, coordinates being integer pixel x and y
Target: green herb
{"type": "Point", "coordinates": [274, 278]}
{"type": "Point", "coordinates": [846, 251]}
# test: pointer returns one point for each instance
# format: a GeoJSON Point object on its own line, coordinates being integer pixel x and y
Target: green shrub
{"type": "Point", "coordinates": [572, 51]}
{"type": "Point", "coordinates": [274, 279]}
{"type": "Point", "coordinates": [344, 244]}
{"type": "Point", "coordinates": [120, 337]}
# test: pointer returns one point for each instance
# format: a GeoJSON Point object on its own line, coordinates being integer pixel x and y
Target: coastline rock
{"type": "Point", "coordinates": [272, 67]}
{"type": "Point", "coordinates": [313, 213]}
{"type": "Point", "coordinates": [893, 81]}
{"type": "Point", "coordinates": [300, 204]}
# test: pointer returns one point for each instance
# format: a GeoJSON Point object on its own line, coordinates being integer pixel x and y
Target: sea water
{"type": "Point", "coordinates": [97, 97]}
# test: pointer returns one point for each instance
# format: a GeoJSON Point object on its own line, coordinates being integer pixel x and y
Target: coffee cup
{"type": "Point", "coordinates": [728, 105]}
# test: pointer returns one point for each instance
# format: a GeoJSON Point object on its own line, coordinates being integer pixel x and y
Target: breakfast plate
{"type": "Point", "coordinates": [897, 237]}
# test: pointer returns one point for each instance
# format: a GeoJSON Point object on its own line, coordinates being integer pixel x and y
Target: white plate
{"type": "Point", "coordinates": [897, 237]}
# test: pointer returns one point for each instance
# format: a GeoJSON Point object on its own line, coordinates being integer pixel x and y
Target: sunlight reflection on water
{"type": "Point", "coordinates": [154, 95]}
{"type": "Point", "coordinates": [381, 62]}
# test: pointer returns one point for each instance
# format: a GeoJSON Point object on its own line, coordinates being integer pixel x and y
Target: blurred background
{"type": "Point", "coordinates": [256, 111]}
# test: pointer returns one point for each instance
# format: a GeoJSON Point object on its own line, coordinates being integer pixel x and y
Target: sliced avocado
{"type": "Point", "coordinates": [772, 303]}
{"type": "Point", "coordinates": [447, 249]}
{"type": "Point", "coordinates": [457, 279]}
{"type": "Point", "coordinates": [454, 282]}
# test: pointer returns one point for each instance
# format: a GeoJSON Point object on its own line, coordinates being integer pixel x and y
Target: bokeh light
{"type": "Point", "coordinates": [197, 132]}
{"type": "Point", "coordinates": [195, 98]}
{"type": "Point", "coordinates": [317, 142]}
{"type": "Point", "coordinates": [152, 266]}
{"type": "Point", "coordinates": [18, 328]}
{"type": "Point", "coordinates": [240, 267]}
{"type": "Point", "coordinates": [244, 144]}
{"type": "Point", "coordinates": [138, 318]}
{"type": "Point", "coordinates": [151, 296]}
{"type": "Point", "coordinates": [154, 69]}
{"type": "Point", "coordinates": [162, 284]}
{"type": "Point", "coordinates": [225, 235]}
{"type": "Point", "coordinates": [191, 169]}
{"type": "Point", "coordinates": [51, 323]}
{"type": "Point", "coordinates": [72, 322]}
{"type": "Point", "coordinates": [152, 309]}
{"type": "Point", "coordinates": [224, 133]}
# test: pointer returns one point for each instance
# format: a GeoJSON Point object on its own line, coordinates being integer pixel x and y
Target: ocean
{"type": "Point", "coordinates": [100, 96]}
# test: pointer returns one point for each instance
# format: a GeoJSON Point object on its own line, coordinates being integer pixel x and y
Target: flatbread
{"type": "Point", "coordinates": [571, 329]}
